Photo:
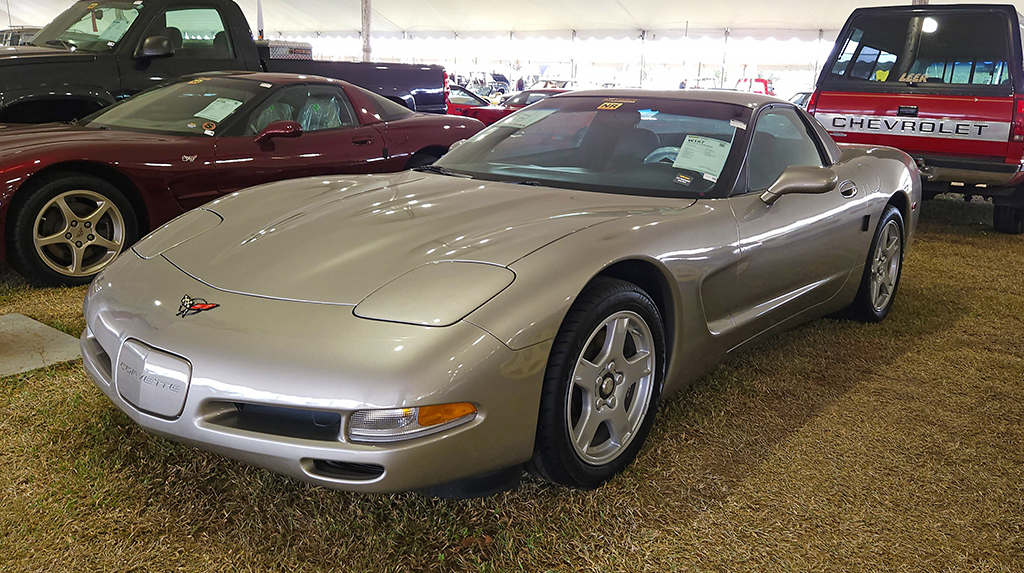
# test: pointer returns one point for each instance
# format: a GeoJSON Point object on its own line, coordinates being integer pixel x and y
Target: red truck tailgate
{"type": "Point", "coordinates": [919, 124]}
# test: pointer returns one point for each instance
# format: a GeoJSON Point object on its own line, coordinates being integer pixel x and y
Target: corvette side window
{"type": "Point", "coordinates": [316, 108]}
{"type": "Point", "coordinates": [780, 140]}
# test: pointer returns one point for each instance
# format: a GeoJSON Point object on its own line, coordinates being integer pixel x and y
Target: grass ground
{"type": "Point", "coordinates": [835, 447]}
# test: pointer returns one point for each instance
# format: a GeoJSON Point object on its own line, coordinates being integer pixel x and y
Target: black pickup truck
{"type": "Point", "coordinates": [100, 51]}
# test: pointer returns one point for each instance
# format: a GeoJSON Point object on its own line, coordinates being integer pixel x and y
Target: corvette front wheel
{"type": "Point", "coordinates": [602, 386]}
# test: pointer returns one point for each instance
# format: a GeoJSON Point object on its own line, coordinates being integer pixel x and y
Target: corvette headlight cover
{"type": "Point", "coordinates": [397, 424]}
{"type": "Point", "coordinates": [436, 294]}
{"type": "Point", "coordinates": [177, 231]}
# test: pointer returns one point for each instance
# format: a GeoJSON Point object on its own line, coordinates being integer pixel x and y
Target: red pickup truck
{"type": "Point", "coordinates": [943, 83]}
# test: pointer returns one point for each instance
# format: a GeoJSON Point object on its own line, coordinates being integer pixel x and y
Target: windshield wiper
{"type": "Point", "coordinates": [530, 182]}
{"type": "Point", "coordinates": [440, 170]}
{"type": "Point", "coordinates": [62, 43]}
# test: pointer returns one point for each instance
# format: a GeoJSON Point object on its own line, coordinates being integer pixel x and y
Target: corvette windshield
{"type": "Point", "coordinates": [201, 106]}
{"type": "Point", "coordinates": [90, 26]}
{"type": "Point", "coordinates": [649, 146]}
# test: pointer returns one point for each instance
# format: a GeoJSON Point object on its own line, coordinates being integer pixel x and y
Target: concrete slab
{"type": "Point", "coordinates": [26, 344]}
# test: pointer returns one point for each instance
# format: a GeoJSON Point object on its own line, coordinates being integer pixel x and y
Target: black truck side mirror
{"type": "Point", "coordinates": [155, 47]}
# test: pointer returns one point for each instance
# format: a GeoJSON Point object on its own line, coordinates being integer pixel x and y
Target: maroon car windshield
{"type": "Point", "coordinates": [630, 145]}
{"type": "Point", "coordinates": [200, 106]}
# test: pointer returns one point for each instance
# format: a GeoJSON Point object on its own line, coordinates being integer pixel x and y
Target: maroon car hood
{"type": "Point", "coordinates": [16, 138]}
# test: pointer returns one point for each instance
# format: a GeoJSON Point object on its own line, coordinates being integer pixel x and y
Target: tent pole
{"type": "Point", "coordinates": [10, 19]}
{"type": "Point", "coordinates": [366, 12]}
{"type": "Point", "coordinates": [725, 46]}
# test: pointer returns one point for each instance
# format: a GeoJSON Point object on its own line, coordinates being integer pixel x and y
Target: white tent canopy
{"type": "Point", "coordinates": [781, 19]}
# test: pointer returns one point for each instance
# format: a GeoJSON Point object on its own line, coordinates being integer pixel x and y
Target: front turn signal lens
{"type": "Point", "coordinates": [434, 415]}
{"type": "Point", "coordinates": [397, 424]}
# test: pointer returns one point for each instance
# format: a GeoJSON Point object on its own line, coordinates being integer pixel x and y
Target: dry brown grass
{"type": "Point", "coordinates": [835, 447]}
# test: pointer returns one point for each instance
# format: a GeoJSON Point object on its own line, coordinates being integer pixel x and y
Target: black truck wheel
{"type": "Point", "coordinates": [1008, 219]}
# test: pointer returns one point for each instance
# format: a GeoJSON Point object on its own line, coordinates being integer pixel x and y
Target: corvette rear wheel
{"type": "Point", "coordinates": [69, 229]}
{"type": "Point", "coordinates": [602, 386]}
{"type": "Point", "coordinates": [883, 269]}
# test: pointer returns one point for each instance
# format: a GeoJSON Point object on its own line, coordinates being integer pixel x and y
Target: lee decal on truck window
{"type": "Point", "coordinates": [916, 126]}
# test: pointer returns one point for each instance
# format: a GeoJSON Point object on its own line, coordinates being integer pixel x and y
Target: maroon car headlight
{"type": "Point", "coordinates": [397, 424]}
{"type": "Point", "coordinates": [177, 231]}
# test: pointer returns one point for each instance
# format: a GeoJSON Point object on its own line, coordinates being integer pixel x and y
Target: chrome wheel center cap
{"type": "Point", "coordinates": [607, 387]}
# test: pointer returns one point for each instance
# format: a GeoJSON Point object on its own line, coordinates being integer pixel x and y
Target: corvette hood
{"type": "Point", "coordinates": [337, 239]}
{"type": "Point", "coordinates": [16, 138]}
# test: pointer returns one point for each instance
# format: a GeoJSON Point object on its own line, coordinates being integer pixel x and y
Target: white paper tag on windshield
{"type": "Point", "coordinates": [737, 123]}
{"type": "Point", "coordinates": [526, 117]}
{"type": "Point", "coordinates": [219, 109]}
{"type": "Point", "coordinates": [705, 155]}
{"type": "Point", "coordinates": [115, 30]}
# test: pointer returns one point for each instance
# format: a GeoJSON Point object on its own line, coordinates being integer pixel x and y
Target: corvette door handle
{"type": "Point", "coordinates": [362, 140]}
{"type": "Point", "coordinates": [848, 189]}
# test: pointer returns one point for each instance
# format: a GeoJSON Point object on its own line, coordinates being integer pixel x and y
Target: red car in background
{"type": "Point", "coordinates": [77, 195]}
{"type": "Point", "coordinates": [460, 100]}
{"type": "Point", "coordinates": [756, 86]}
{"type": "Point", "coordinates": [493, 113]}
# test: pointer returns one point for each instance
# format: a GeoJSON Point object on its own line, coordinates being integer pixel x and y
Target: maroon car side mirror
{"type": "Point", "coordinates": [280, 128]}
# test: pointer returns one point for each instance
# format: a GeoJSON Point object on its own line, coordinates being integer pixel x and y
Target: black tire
{"type": "Point", "coordinates": [1008, 219]}
{"type": "Point", "coordinates": [21, 250]}
{"type": "Point", "coordinates": [555, 458]}
{"type": "Point", "coordinates": [864, 307]}
{"type": "Point", "coordinates": [420, 159]}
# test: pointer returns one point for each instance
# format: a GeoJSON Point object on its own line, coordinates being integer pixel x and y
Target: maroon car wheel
{"type": "Point", "coordinates": [68, 228]}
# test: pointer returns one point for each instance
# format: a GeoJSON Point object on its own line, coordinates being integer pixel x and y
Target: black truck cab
{"type": "Point", "coordinates": [100, 51]}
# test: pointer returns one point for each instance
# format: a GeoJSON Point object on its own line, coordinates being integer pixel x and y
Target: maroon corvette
{"type": "Point", "coordinates": [74, 196]}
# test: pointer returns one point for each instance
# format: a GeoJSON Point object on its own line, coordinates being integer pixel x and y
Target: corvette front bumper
{"type": "Point", "coordinates": [273, 382]}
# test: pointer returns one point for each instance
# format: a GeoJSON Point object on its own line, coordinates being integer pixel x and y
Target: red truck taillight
{"type": "Point", "coordinates": [812, 103]}
{"type": "Point", "coordinates": [447, 93]}
{"type": "Point", "coordinates": [1018, 118]}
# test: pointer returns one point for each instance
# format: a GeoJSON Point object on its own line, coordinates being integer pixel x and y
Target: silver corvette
{"type": "Point", "coordinates": [526, 302]}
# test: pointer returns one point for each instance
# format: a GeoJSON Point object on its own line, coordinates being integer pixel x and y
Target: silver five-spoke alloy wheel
{"type": "Point", "coordinates": [611, 388]}
{"type": "Point", "coordinates": [78, 233]}
{"type": "Point", "coordinates": [885, 265]}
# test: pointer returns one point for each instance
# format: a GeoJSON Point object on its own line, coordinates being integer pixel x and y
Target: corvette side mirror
{"type": "Point", "coordinates": [155, 47]}
{"type": "Point", "coordinates": [279, 128]}
{"type": "Point", "coordinates": [801, 179]}
{"type": "Point", "coordinates": [456, 145]}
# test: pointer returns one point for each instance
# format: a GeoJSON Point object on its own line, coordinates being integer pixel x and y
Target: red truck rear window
{"type": "Point", "coordinates": [937, 49]}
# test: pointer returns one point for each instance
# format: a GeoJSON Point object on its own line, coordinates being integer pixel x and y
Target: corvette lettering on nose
{"type": "Point", "coordinates": [915, 126]}
{"type": "Point", "coordinates": [149, 380]}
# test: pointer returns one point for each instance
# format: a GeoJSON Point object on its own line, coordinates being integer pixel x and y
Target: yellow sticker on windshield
{"type": "Point", "coordinates": [93, 5]}
{"type": "Point", "coordinates": [610, 105]}
{"type": "Point", "coordinates": [197, 81]}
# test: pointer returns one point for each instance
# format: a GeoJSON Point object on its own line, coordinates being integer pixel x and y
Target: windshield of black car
{"type": "Point", "coordinates": [648, 146]}
{"type": "Point", "coordinates": [200, 106]}
{"type": "Point", "coordinates": [90, 26]}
